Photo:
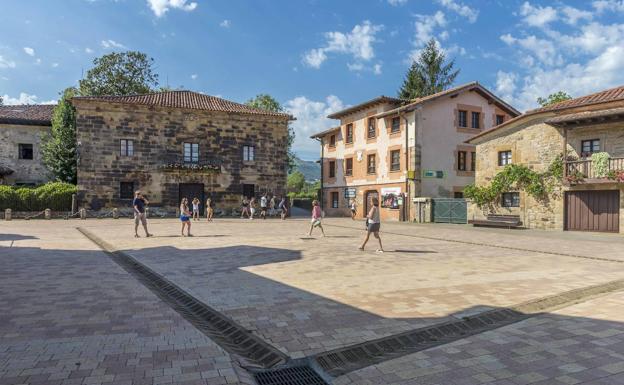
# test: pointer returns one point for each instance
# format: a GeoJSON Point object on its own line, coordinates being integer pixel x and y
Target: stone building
{"type": "Point", "coordinates": [586, 199]}
{"type": "Point", "coordinates": [401, 150]}
{"type": "Point", "coordinates": [177, 144]}
{"type": "Point", "coordinates": [22, 128]}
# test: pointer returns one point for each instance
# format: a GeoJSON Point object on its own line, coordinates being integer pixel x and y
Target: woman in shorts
{"type": "Point", "coordinates": [185, 217]}
{"type": "Point", "coordinates": [316, 218]}
{"type": "Point", "coordinates": [373, 224]}
{"type": "Point", "coordinates": [245, 208]}
{"type": "Point", "coordinates": [252, 207]}
{"type": "Point", "coordinates": [209, 210]}
{"type": "Point", "coordinates": [195, 209]}
{"type": "Point", "coordinates": [353, 207]}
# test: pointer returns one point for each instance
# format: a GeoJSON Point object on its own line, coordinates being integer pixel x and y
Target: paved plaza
{"type": "Point", "coordinates": [70, 315]}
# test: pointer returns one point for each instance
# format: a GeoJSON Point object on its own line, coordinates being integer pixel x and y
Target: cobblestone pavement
{"type": "Point", "coordinates": [69, 316]}
{"type": "Point", "coordinates": [581, 344]}
{"type": "Point", "coordinates": [306, 296]}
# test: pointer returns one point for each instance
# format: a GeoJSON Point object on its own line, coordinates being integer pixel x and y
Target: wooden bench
{"type": "Point", "coordinates": [497, 220]}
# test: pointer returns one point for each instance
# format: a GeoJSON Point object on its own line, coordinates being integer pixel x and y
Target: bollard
{"type": "Point", "coordinates": [47, 214]}
{"type": "Point", "coordinates": [83, 214]}
{"type": "Point", "coordinates": [73, 204]}
{"type": "Point", "coordinates": [115, 213]}
{"type": "Point", "coordinates": [146, 212]}
{"type": "Point", "coordinates": [8, 214]}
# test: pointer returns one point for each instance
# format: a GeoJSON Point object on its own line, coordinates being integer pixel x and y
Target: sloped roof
{"type": "Point", "coordinates": [185, 99]}
{"type": "Point", "coordinates": [472, 86]}
{"type": "Point", "coordinates": [560, 109]}
{"type": "Point", "coordinates": [27, 114]}
{"type": "Point", "coordinates": [364, 105]}
{"type": "Point", "coordinates": [610, 95]}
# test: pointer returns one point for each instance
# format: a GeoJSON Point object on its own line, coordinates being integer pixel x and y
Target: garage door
{"type": "Point", "coordinates": [593, 211]}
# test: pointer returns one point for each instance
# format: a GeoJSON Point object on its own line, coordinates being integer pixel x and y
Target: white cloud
{"type": "Point", "coordinates": [426, 25]}
{"type": "Point", "coordinates": [29, 51]}
{"type": "Point", "coordinates": [544, 50]}
{"type": "Point", "coordinates": [194, 76]}
{"type": "Point", "coordinates": [24, 98]}
{"type": "Point", "coordinates": [111, 44]}
{"type": "Point", "coordinates": [88, 50]}
{"type": "Point", "coordinates": [358, 43]}
{"type": "Point", "coordinates": [573, 15]}
{"type": "Point", "coordinates": [537, 16]}
{"type": "Point", "coordinates": [470, 14]}
{"type": "Point", "coordinates": [6, 63]}
{"type": "Point", "coordinates": [506, 84]}
{"type": "Point", "coordinates": [377, 69]}
{"type": "Point", "coordinates": [397, 2]}
{"type": "Point", "coordinates": [608, 5]}
{"type": "Point", "coordinates": [355, 66]}
{"type": "Point", "coordinates": [225, 24]}
{"type": "Point", "coordinates": [160, 7]}
{"type": "Point", "coordinates": [55, 65]}
{"type": "Point", "coordinates": [311, 118]}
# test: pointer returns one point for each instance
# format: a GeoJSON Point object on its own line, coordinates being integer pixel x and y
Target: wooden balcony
{"type": "Point", "coordinates": [585, 171]}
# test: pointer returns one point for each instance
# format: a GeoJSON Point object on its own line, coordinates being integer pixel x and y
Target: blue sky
{"type": "Point", "coordinates": [315, 56]}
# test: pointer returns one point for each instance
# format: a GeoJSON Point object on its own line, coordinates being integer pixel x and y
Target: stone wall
{"type": "Point", "coordinates": [534, 144]}
{"type": "Point", "coordinates": [26, 170]}
{"type": "Point", "coordinates": [158, 135]}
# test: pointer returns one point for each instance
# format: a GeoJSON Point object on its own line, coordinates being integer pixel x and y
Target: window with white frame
{"type": "Point", "coordinates": [126, 147]}
{"type": "Point", "coordinates": [191, 152]}
{"type": "Point", "coordinates": [248, 153]}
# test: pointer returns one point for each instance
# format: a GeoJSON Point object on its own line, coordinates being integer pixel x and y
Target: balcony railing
{"type": "Point", "coordinates": [190, 163]}
{"type": "Point", "coordinates": [584, 169]}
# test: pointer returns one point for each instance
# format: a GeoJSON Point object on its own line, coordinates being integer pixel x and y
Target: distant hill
{"type": "Point", "coordinates": [309, 168]}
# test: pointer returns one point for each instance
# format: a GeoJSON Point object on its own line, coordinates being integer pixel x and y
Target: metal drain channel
{"type": "Point", "coordinates": [225, 332]}
{"type": "Point", "coordinates": [343, 360]}
{"type": "Point", "coordinates": [297, 375]}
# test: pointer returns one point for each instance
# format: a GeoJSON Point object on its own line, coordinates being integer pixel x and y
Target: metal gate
{"type": "Point", "coordinates": [449, 210]}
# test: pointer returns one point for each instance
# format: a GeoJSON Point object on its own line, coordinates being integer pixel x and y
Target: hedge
{"type": "Point", "coordinates": [56, 196]}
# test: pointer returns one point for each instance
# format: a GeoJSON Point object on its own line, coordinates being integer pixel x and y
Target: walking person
{"type": "Point", "coordinates": [252, 208]}
{"type": "Point", "coordinates": [195, 209]}
{"type": "Point", "coordinates": [272, 206]}
{"type": "Point", "coordinates": [209, 210]}
{"type": "Point", "coordinates": [373, 224]}
{"type": "Point", "coordinates": [283, 207]}
{"type": "Point", "coordinates": [245, 208]}
{"type": "Point", "coordinates": [185, 217]}
{"type": "Point", "coordinates": [138, 203]}
{"type": "Point", "coordinates": [263, 206]}
{"type": "Point", "coordinates": [353, 207]}
{"type": "Point", "coordinates": [316, 218]}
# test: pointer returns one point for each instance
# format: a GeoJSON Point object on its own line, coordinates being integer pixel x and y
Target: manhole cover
{"type": "Point", "coordinates": [300, 375]}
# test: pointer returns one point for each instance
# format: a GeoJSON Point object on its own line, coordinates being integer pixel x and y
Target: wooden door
{"type": "Point", "coordinates": [190, 191]}
{"type": "Point", "coordinates": [592, 211]}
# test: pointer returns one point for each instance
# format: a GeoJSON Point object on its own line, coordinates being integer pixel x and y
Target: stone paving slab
{"type": "Point", "coordinates": [581, 344]}
{"type": "Point", "coordinates": [306, 296]}
{"type": "Point", "coordinates": [69, 315]}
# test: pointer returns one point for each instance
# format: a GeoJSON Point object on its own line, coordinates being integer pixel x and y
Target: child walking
{"type": "Point", "coordinates": [195, 209]}
{"type": "Point", "coordinates": [373, 224]}
{"type": "Point", "coordinates": [185, 217]}
{"type": "Point", "coordinates": [316, 218]}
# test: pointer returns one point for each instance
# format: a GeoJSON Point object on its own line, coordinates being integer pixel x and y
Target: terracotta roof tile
{"type": "Point", "coordinates": [184, 99]}
{"type": "Point", "coordinates": [605, 96]}
{"type": "Point", "coordinates": [30, 114]}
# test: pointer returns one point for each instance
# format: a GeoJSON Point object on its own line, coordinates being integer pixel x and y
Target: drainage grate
{"type": "Point", "coordinates": [228, 334]}
{"type": "Point", "coordinates": [299, 375]}
{"type": "Point", "coordinates": [341, 361]}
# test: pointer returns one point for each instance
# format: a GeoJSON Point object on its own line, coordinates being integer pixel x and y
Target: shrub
{"type": "Point", "coordinates": [55, 196]}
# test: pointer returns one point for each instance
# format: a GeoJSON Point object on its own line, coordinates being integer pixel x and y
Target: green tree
{"type": "Point", "coordinates": [554, 98]}
{"type": "Point", "coordinates": [429, 74]}
{"type": "Point", "coordinates": [59, 147]}
{"type": "Point", "coordinates": [296, 182]}
{"type": "Point", "coordinates": [268, 103]}
{"type": "Point", "coordinates": [120, 73]}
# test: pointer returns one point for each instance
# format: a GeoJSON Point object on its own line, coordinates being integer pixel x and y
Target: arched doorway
{"type": "Point", "coordinates": [368, 203]}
